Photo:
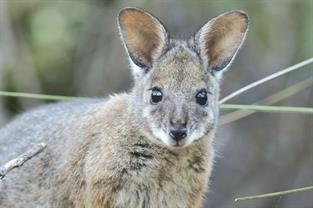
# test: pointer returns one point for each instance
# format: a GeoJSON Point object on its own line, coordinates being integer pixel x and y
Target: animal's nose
{"type": "Point", "coordinates": [178, 131]}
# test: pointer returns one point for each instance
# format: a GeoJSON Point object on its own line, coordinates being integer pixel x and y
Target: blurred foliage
{"type": "Point", "coordinates": [72, 47]}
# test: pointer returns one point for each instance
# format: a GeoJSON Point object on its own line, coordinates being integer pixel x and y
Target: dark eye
{"type": "Point", "coordinates": [202, 97]}
{"type": "Point", "coordinates": [156, 95]}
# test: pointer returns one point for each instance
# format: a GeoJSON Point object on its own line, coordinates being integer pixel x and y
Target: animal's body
{"type": "Point", "coordinates": [151, 147]}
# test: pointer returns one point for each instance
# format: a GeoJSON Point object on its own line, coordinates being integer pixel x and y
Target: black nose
{"type": "Point", "coordinates": [178, 132]}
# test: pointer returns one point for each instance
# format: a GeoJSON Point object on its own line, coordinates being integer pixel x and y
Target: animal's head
{"type": "Point", "coordinates": [177, 82]}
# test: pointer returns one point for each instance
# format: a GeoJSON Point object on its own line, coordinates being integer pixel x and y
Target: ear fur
{"type": "Point", "coordinates": [220, 38]}
{"type": "Point", "coordinates": [144, 37]}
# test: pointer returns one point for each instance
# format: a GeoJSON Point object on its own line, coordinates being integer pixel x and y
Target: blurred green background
{"type": "Point", "coordinates": [72, 47]}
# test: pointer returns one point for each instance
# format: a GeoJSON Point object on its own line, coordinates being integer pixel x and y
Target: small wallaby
{"type": "Point", "coordinates": [151, 147]}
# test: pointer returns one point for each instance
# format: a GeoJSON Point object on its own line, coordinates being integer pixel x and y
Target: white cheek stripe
{"type": "Point", "coordinates": [195, 135]}
{"type": "Point", "coordinates": [159, 133]}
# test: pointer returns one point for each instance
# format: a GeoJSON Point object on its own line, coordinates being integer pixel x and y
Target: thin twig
{"type": "Point", "coordinates": [280, 193]}
{"type": "Point", "coordinates": [19, 161]}
{"type": "Point", "coordinates": [276, 97]}
{"type": "Point", "coordinates": [265, 79]}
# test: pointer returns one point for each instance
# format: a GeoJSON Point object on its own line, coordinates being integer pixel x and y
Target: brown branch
{"type": "Point", "coordinates": [19, 161]}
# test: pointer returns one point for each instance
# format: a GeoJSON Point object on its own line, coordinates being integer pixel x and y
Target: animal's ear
{"type": "Point", "coordinates": [143, 35]}
{"type": "Point", "coordinates": [220, 38]}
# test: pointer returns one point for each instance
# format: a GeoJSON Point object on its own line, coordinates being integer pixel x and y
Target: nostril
{"type": "Point", "coordinates": [178, 133]}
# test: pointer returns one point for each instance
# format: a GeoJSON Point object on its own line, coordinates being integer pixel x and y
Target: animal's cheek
{"type": "Point", "coordinates": [203, 116]}
{"type": "Point", "coordinates": [201, 112]}
{"type": "Point", "coordinates": [154, 114]}
{"type": "Point", "coordinates": [156, 110]}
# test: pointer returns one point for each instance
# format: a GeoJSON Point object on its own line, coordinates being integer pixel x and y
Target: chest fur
{"type": "Point", "coordinates": [163, 178]}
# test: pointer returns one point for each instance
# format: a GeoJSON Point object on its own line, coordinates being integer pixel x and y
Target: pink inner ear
{"type": "Point", "coordinates": [223, 37]}
{"type": "Point", "coordinates": [143, 35]}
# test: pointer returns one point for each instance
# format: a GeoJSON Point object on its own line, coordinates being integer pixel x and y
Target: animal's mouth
{"type": "Point", "coordinates": [178, 145]}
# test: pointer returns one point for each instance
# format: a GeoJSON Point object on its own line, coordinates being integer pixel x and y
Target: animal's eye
{"type": "Point", "coordinates": [202, 97]}
{"type": "Point", "coordinates": [156, 95]}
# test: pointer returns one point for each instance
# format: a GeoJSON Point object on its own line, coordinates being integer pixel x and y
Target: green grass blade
{"type": "Point", "coordinates": [270, 100]}
{"type": "Point", "coordinates": [266, 79]}
{"type": "Point", "coordinates": [280, 193]}
{"type": "Point", "coordinates": [38, 96]}
{"type": "Point", "coordinates": [262, 108]}
{"type": "Point", "coordinates": [265, 108]}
